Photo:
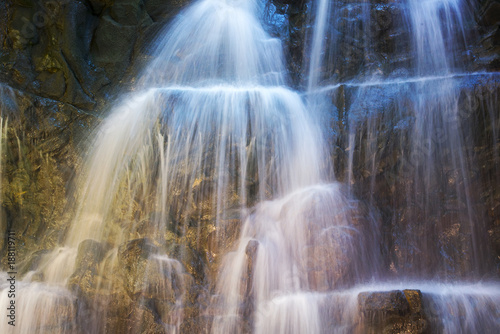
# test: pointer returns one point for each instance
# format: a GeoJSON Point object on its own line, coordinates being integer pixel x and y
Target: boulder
{"type": "Point", "coordinates": [392, 312]}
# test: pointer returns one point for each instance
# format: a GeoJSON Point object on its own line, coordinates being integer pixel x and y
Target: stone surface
{"type": "Point", "coordinates": [392, 312]}
{"type": "Point", "coordinates": [87, 46]}
{"type": "Point", "coordinates": [39, 161]}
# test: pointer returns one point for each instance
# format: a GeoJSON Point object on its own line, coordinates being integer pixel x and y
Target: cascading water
{"type": "Point", "coordinates": [436, 146]}
{"type": "Point", "coordinates": [440, 232]}
{"type": "Point", "coordinates": [293, 253]}
{"type": "Point", "coordinates": [211, 138]}
{"type": "Point", "coordinates": [210, 131]}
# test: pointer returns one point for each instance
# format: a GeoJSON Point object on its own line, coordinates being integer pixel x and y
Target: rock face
{"type": "Point", "coordinates": [77, 51]}
{"type": "Point", "coordinates": [487, 53]}
{"type": "Point", "coordinates": [369, 38]}
{"type": "Point", "coordinates": [39, 159]}
{"type": "Point", "coordinates": [60, 62]}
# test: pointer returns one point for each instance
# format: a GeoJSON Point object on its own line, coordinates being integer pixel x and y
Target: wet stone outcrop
{"type": "Point", "coordinates": [131, 288]}
{"type": "Point", "coordinates": [392, 312]}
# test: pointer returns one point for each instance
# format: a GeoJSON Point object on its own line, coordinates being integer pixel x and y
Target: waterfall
{"type": "Point", "coordinates": [436, 142]}
{"type": "Point", "coordinates": [318, 40]}
{"type": "Point", "coordinates": [426, 97]}
{"type": "Point", "coordinates": [207, 201]}
{"type": "Point", "coordinates": [209, 135]}
{"type": "Point", "coordinates": [424, 112]}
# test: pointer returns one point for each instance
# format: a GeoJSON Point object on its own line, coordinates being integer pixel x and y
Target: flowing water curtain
{"type": "Point", "coordinates": [209, 132]}
{"type": "Point", "coordinates": [477, 307]}
{"type": "Point", "coordinates": [341, 45]}
{"type": "Point", "coordinates": [417, 114]}
{"type": "Point", "coordinates": [216, 126]}
{"type": "Point", "coordinates": [41, 309]}
{"type": "Point", "coordinates": [302, 247]}
{"type": "Point", "coordinates": [223, 42]}
{"type": "Point", "coordinates": [297, 247]}
{"type": "Point", "coordinates": [437, 151]}
{"type": "Point", "coordinates": [220, 141]}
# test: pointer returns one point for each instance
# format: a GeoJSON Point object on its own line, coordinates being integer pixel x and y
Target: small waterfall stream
{"type": "Point", "coordinates": [5, 109]}
{"type": "Point", "coordinates": [207, 192]}
{"type": "Point", "coordinates": [447, 239]}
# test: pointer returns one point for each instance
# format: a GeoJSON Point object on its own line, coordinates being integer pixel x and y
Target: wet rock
{"type": "Point", "coordinates": [140, 290]}
{"type": "Point", "coordinates": [38, 160]}
{"type": "Point", "coordinates": [112, 45]}
{"type": "Point", "coordinates": [127, 317]}
{"type": "Point", "coordinates": [133, 263]}
{"type": "Point", "coordinates": [414, 298]}
{"type": "Point", "coordinates": [90, 253]}
{"type": "Point", "coordinates": [33, 262]}
{"type": "Point", "coordinates": [160, 10]}
{"type": "Point", "coordinates": [249, 307]}
{"type": "Point", "coordinates": [384, 111]}
{"type": "Point", "coordinates": [145, 274]}
{"type": "Point", "coordinates": [329, 266]}
{"type": "Point", "coordinates": [378, 305]}
{"type": "Point", "coordinates": [52, 85]}
{"type": "Point", "coordinates": [218, 241]}
{"type": "Point", "coordinates": [490, 13]}
{"type": "Point", "coordinates": [86, 277]}
{"type": "Point", "coordinates": [392, 312]}
{"type": "Point", "coordinates": [127, 12]}
{"type": "Point", "coordinates": [91, 43]}
{"type": "Point", "coordinates": [99, 5]}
